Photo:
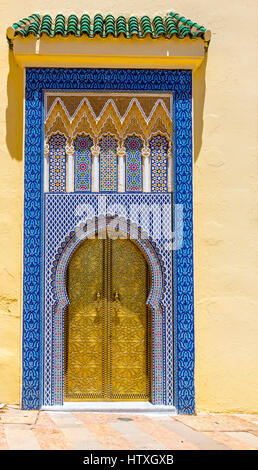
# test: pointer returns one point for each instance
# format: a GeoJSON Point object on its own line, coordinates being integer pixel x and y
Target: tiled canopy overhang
{"type": "Point", "coordinates": [81, 74]}
{"type": "Point", "coordinates": [168, 26]}
{"type": "Point", "coordinates": [169, 41]}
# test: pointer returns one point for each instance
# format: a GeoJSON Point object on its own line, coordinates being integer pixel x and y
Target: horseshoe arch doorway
{"type": "Point", "coordinates": [107, 323]}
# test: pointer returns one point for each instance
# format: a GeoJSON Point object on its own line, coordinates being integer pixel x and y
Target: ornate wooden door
{"type": "Point", "coordinates": [107, 332]}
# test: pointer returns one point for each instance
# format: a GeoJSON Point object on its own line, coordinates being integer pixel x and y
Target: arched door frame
{"type": "Point", "coordinates": [64, 254]}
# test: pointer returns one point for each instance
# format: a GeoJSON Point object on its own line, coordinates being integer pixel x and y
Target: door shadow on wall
{"type": "Point", "coordinates": [199, 89]}
{"type": "Point", "coordinates": [14, 110]}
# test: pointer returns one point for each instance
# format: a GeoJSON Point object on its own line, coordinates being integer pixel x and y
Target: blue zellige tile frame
{"type": "Point", "coordinates": [39, 80]}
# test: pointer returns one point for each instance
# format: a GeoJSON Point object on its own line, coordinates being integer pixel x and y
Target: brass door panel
{"type": "Point", "coordinates": [129, 325]}
{"type": "Point", "coordinates": [106, 327]}
{"type": "Point", "coordinates": [84, 355]}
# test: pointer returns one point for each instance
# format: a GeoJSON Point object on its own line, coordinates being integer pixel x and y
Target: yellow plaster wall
{"type": "Point", "coordinates": [225, 200]}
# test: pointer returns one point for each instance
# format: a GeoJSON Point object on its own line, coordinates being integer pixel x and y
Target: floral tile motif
{"type": "Point", "coordinates": [82, 157]}
{"type": "Point", "coordinates": [108, 163]}
{"type": "Point", "coordinates": [159, 149]}
{"type": "Point", "coordinates": [133, 146]}
{"type": "Point", "coordinates": [57, 163]}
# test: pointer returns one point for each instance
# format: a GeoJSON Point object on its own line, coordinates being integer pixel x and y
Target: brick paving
{"type": "Point", "coordinates": [49, 430]}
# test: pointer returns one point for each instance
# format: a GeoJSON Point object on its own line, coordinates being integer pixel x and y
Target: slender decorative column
{"type": "Point", "coordinates": [46, 167]}
{"type": "Point", "coordinates": [146, 170]}
{"type": "Point", "coordinates": [170, 169]}
{"type": "Point", "coordinates": [121, 152]}
{"type": "Point", "coordinates": [95, 150]}
{"type": "Point", "coordinates": [69, 149]}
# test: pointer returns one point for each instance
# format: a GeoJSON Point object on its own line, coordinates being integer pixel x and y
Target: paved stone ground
{"type": "Point", "coordinates": [45, 430]}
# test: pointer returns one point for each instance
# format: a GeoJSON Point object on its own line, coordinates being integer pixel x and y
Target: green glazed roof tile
{"type": "Point", "coordinates": [121, 26]}
{"type": "Point", "coordinates": [169, 26]}
{"type": "Point", "coordinates": [133, 27]}
{"type": "Point", "coordinates": [110, 25]}
{"type": "Point", "coordinates": [98, 25]}
{"type": "Point", "coordinates": [85, 25]}
{"type": "Point", "coordinates": [146, 26]}
{"type": "Point", "coordinates": [59, 25]}
{"type": "Point", "coordinates": [45, 26]}
{"type": "Point", "coordinates": [159, 26]}
{"type": "Point", "coordinates": [72, 24]}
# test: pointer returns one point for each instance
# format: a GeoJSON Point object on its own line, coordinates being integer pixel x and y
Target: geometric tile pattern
{"type": "Point", "coordinates": [133, 146]}
{"type": "Point", "coordinates": [63, 213]}
{"type": "Point", "coordinates": [179, 330]}
{"type": "Point", "coordinates": [57, 163]}
{"type": "Point", "coordinates": [158, 148]}
{"type": "Point", "coordinates": [108, 163]}
{"type": "Point", "coordinates": [82, 155]}
{"type": "Point", "coordinates": [154, 301]}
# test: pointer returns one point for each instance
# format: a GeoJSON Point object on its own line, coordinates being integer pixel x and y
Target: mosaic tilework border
{"type": "Point", "coordinates": [180, 83]}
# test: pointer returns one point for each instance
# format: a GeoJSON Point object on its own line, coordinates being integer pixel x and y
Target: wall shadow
{"type": "Point", "coordinates": [14, 110]}
{"type": "Point", "coordinates": [199, 90]}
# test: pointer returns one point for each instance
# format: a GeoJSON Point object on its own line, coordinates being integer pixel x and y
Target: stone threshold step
{"type": "Point", "coordinates": [113, 407]}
